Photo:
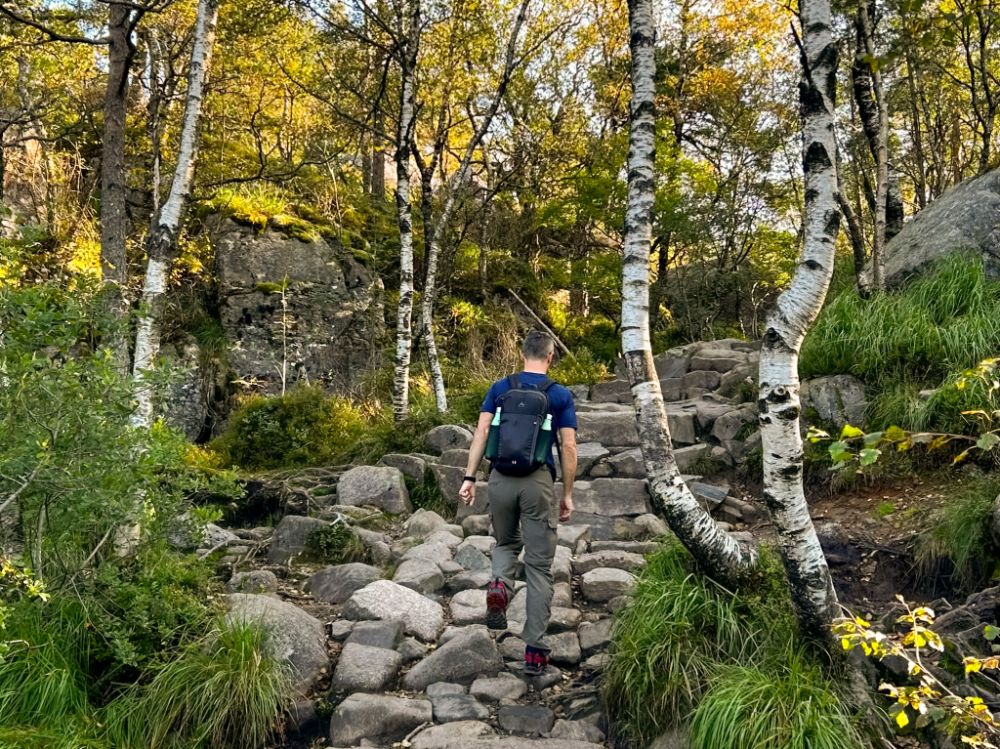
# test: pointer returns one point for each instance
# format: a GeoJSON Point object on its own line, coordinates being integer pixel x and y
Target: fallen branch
{"type": "Point", "coordinates": [562, 346]}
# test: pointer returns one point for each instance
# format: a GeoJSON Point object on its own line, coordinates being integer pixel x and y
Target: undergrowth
{"type": "Point", "coordinates": [336, 544]}
{"type": "Point", "coordinates": [680, 635]}
{"type": "Point", "coordinates": [900, 343]}
{"type": "Point", "coordinates": [957, 544]}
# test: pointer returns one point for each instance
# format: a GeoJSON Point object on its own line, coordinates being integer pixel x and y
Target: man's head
{"type": "Point", "coordinates": [537, 350]}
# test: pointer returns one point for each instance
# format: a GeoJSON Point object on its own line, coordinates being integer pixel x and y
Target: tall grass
{"type": "Point", "coordinates": [957, 543]}
{"type": "Point", "coordinates": [789, 706]}
{"type": "Point", "coordinates": [223, 692]}
{"type": "Point", "coordinates": [899, 343]}
{"type": "Point", "coordinates": [677, 630]}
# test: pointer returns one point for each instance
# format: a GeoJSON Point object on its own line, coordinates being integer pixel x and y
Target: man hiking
{"type": "Point", "coordinates": [521, 418]}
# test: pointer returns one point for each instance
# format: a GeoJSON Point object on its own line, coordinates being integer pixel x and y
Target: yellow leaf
{"type": "Point", "coordinates": [849, 432]}
{"type": "Point", "coordinates": [901, 719]}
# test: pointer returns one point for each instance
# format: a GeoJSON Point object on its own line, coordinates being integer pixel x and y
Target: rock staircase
{"type": "Point", "coordinates": [397, 650]}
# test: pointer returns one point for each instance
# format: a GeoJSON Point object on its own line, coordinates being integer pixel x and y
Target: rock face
{"type": "Point", "coordinates": [293, 635]}
{"type": "Point", "coordinates": [331, 317]}
{"type": "Point", "coordinates": [965, 218]}
{"type": "Point", "coordinates": [377, 486]}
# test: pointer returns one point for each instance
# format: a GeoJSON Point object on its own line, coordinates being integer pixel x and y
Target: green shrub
{"type": "Point", "coordinates": [304, 427]}
{"type": "Point", "coordinates": [581, 368]}
{"type": "Point", "coordinates": [902, 342]}
{"type": "Point", "coordinates": [675, 632]}
{"type": "Point", "coordinates": [336, 544]}
{"type": "Point", "coordinates": [425, 494]}
{"type": "Point", "coordinates": [788, 706]}
{"type": "Point", "coordinates": [957, 542]}
{"type": "Point", "coordinates": [225, 690]}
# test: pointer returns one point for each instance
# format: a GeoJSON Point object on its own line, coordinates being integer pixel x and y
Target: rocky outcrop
{"type": "Point", "coordinates": [307, 306]}
{"type": "Point", "coordinates": [966, 218]}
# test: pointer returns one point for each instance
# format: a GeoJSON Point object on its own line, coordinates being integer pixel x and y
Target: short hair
{"type": "Point", "coordinates": [537, 345]}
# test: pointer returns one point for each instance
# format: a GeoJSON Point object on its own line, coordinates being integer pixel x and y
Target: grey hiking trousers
{"type": "Point", "coordinates": [525, 513]}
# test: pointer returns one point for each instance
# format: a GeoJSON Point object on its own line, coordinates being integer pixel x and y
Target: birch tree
{"type": "Point", "coordinates": [433, 243]}
{"type": "Point", "coordinates": [779, 405]}
{"type": "Point", "coordinates": [408, 35]}
{"type": "Point", "coordinates": [162, 242]}
{"type": "Point", "coordinates": [716, 551]}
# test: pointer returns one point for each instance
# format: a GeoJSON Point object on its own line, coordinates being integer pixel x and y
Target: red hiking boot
{"type": "Point", "coordinates": [497, 599]}
{"type": "Point", "coordinates": [535, 661]}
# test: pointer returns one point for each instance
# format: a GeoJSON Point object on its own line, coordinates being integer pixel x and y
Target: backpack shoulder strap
{"type": "Point", "coordinates": [514, 381]}
{"type": "Point", "coordinates": [546, 384]}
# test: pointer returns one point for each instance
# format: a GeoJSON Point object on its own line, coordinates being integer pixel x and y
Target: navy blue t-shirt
{"type": "Point", "coordinates": [560, 402]}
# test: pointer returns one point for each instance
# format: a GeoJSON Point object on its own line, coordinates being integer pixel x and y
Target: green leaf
{"type": "Point", "coordinates": [895, 434]}
{"type": "Point", "coordinates": [988, 441]}
{"type": "Point", "coordinates": [849, 432]}
{"type": "Point", "coordinates": [991, 632]}
{"type": "Point", "coordinates": [873, 438]}
{"type": "Point", "coordinates": [839, 452]}
{"type": "Point", "coordinates": [869, 455]}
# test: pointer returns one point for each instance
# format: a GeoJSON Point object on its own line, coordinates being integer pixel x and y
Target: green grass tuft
{"type": "Point", "coordinates": [789, 706]}
{"type": "Point", "coordinates": [902, 342]}
{"type": "Point", "coordinates": [336, 544]}
{"type": "Point", "coordinates": [678, 628]}
{"type": "Point", "coordinates": [957, 543]}
{"type": "Point", "coordinates": [224, 691]}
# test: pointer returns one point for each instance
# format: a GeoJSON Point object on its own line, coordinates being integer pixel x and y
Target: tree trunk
{"type": "Point", "coordinates": [378, 158]}
{"type": "Point", "coordinates": [796, 308]}
{"type": "Point", "coordinates": [404, 214]}
{"type": "Point", "coordinates": [433, 243]}
{"type": "Point", "coordinates": [867, 35]}
{"type": "Point", "coordinates": [717, 552]}
{"type": "Point", "coordinates": [163, 241]}
{"type": "Point", "coordinates": [121, 52]}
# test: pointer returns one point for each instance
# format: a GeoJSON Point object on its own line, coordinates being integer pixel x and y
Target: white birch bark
{"type": "Point", "coordinates": [808, 574]}
{"type": "Point", "coordinates": [404, 213]}
{"type": "Point", "coordinates": [163, 240]}
{"type": "Point", "coordinates": [434, 245]}
{"type": "Point", "coordinates": [721, 556]}
{"type": "Point", "coordinates": [881, 154]}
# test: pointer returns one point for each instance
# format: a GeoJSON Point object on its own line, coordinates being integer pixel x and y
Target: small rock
{"type": "Point", "coordinates": [254, 581]}
{"type": "Point", "coordinates": [468, 607]}
{"type": "Point", "coordinates": [430, 551]}
{"type": "Point", "coordinates": [447, 437]}
{"type": "Point", "coordinates": [565, 648]}
{"type": "Point", "coordinates": [383, 599]}
{"type": "Point", "coordinates": [562, 565]}
{"type": "Point", "coordinates": [562, 595]}
{"type": "Point", "coordinates": [419, 574]}
{"type": "Point", "coordinates": [411, 649]}
{"type": "Point", "coordinates": [290, 537]}
{"type": "Point", "coordinates": [462, 658]}
{"type": "Point", "coordinates": [377, 634]}
{"type": "Point", "coordinates": [526, 720]}
{"type": "Point", "coordinates": [469, 581]}
{"type": "Point", "coordinates": [379, 487]}
{"type": "Point", "coordinates": [577, 730]}
{"type": "Point", "coordinates": [484, 544]}
{"type": "Point", "coordinates": [449, 708]}
{"type": "Point", "coordinates": [336, 583]}
{"type": "Point", "coordinates": [476, 525]}
{"type": "Point", "coordinates": [409, 465]}
{"type": "Point", "coordinates": [621, 560]}
{"type": "Point", "coordinates": [453, 631]}
{"type": "Point", "coordinates": [364, 668]}
{"type": "Point", "coordinates": [458, 735]}
{"type": "Point", "coordinates": [451, 568]}
{"type": "Point", "coordinates": [574, 537]}
{"type": "Point", "coordinates": [512, 648]}
{"type": "Point", "coordinates": [563, 619]}
{"type": "Point", "coordinates": [650, 526]}
{"type": "Point", "coordinates": [472, 559]}
{"type": "Point", "coordinates": [376, 717]}
{"type": "Point", "coordinates": [423, 523]}
{"type": "Point", "coordinates": [441, 688]}
{"type": "Point", "coordinates": [596, 663]}
{"type": "Point", "coordinates": [603, 584]}
{"type": "Point", "coordinates": [502, 687]}
{"type": "Point", "coordinates": [551, 677]}
{"type": "Point", "coordinates": [595, 636]}
{"type": "Point", "coordinates": [339, 630]}
{"type": "Point", "coordinates": [632, 547]}
{"type": "Point", "coordinates": [450, 536]}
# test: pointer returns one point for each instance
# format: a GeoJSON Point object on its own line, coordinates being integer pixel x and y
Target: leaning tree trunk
{"type": "Point", "coordinates": [717, 552]}
{"type": "Point", "coordinates": [114, 263]}
{"type": "Point", "coordinates": [163, 240]}
{"type": "Point", "coordinates": [434, 244]}
{"type": "Point", "coordinates": [404, 214]}
{"type": "Point", "coordinates": [796, 308]}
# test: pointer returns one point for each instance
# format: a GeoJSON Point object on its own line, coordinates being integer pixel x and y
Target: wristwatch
{"type": "Point", "coordinates": [469, 478]}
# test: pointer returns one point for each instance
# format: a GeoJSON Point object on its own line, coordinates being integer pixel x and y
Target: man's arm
{"type": "Point", "coordinates": [567, 439]}
{"type": "Point", "coordinates": [476, 450]}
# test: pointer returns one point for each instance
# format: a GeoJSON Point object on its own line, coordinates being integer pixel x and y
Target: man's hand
{"type": "Point", "coordinates": [566, 507]}
{"type": "Point", "coordinates": [467, 493]}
